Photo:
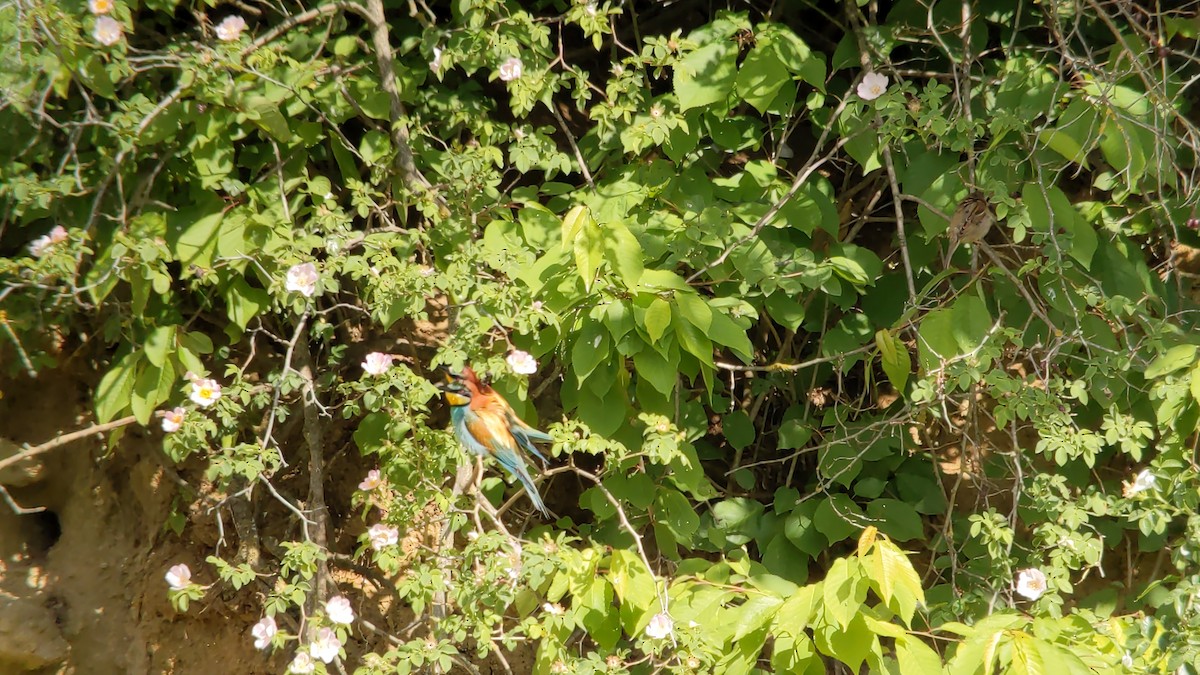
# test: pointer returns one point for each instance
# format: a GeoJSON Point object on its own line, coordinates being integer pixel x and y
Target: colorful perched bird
{"type": "Point", "coordinates": [488, 427]}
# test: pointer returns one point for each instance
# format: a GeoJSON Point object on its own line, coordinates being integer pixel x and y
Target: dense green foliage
{"type": "Point", "coordinates": [791, 434]}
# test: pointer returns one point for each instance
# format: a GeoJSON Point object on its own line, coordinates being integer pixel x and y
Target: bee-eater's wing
{"type": "Point", "coordinates": [524, 434]}
{"type": "Point", "coordinates": [489, 431]}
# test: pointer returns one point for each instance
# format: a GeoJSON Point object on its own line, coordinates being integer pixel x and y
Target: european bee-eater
{"type": "Point", "coordinates": [487, 426]}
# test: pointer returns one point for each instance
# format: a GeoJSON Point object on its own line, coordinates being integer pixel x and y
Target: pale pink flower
{"type": "Point", "coordinates": [107, 31]}
{"type": "Point", "coordinates": [172, 419]}
{"type": "Point", "coordinates": [303, 664]}
{"type": "Point", "coordinates": [511, 69]}
{"type": "Point", "coordinates": [205, 392]}
{"type": "Point", "coordinates": [372, 481]}
{"type": "Point", "coordinates": [521, 362]}
{"type": "Point", "coordinates": [179, 577]}
{"type": "Point", "coordinates": [263, 631]}
{"type": "Point", "coordinates": [302, 278]}
{"type": "Point", "coordinates": [553, 609]}
{"type": "Point", "coordinates": [377, 363]}
{"type": "Point", "coordinates": [230, 28]}
{"type": "Point", "coordinates": [872, 86]}
{"type": "Point", "coordinates": [382, 536]}
{"type": "Point", "coordinates": [1031, 583]}
{"type": "Point", "coordinates": [58, 235]}
{"type": "Point", "coordinates": [100, 6]}
{"type": "Point", "coordinates": [660, 626]}
{"type": "Point", "coordinates": [326, 646]}
{"type": "Point", "coordinates": [338, 610]}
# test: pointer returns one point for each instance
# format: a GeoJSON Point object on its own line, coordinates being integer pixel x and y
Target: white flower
{"type": "Point", "coordinates": [872, 86]}
{"type": "Point", "coordinates": [172, 419]}
{"type": "Point", "coordinates": [1142, 482]}
{"type": "Point", "coordinates": [511, 69]}
{"type": "Point", "coordinates": [660, 626]}
{"type": "Point", "coordinates": [230, 28]}
{"type": "Point", "coordinates": [553, 609]}
{"type": "Point", "coordinates": [205, 392]}
{"type": "Point", "coordinates": [302, 278]}
{"type": "Point", "coordinates": [1031, 583]}
{"type": "Point", "coordinates": [263, 631]}
{"type": "Point", "coordinates": [377, 363]}
{"type": "Point", "coordinates": [591, 8]}
{"type": "Point", "coordinates": [107, 31]}
{"type": "Point", "coordinates": [179, 577]}
{"type": "Point", "coordinates": [372, 481]}
{"type": "Point", "coordinates": [436, 64]}
{"type": "Point", "coordinates": [521, 362]}
{"type": "Point", "coordinates": [1127, 660]}
{"type": "Point", "coordinates": [303, 664]}
{"type": "Point", "coordinates": [326, 646]}
{"type": "Point", "coordinates": [382, 536]}
{"type": "Point", "coordinates": [100, 6]}
{"type": "Point", "coordinates": [39, 246]}
{"type": "Point", "coordinates": [338, 610]}
{"type": "Point", "coordinates": [537, 305]}
{"type": "Point", "coordinates": [656, 111]}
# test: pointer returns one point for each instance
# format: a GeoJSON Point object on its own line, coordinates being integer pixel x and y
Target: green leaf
{"type": "Point", "coordinates": [851, 645]}
{"type": "Point", "coordinates": [725, 331]}
{"type": "Point", "coordinates": [916, 658]}
{"type": "Point", "coordinates": [590, 349]}
{"type": "Point", "coordinates": [158, 344]}
{"type": "Point", "coordinates": [754, 614]}
{"type": "Point", "coordinates": [152, 388]}
{"type": "Point", "coordinates": [895, 580]}
{"type": "Point", "coordinates": [589, 252]}
{"type": "Point", "coordinates": [894, 358]}
{"type": "Point", "coordinates": [761, 77]}
{"type": "Point", "coordinates": [657, 369]}
{"type": "Point", "coordinates": [658, 319]}
{"type": "Point", "coordinates": [799, 610]}
{"type": "Point", "coordinates": [375, 147]}
{"type": "Point", "coordinates": [900, 519]}
{"type": "Point", "coordinates": [244, 303]}
{"type": "Point", "coordinates": [837, 517]}
{"type": "Point", "coordinates": [693, 308]}
{"type": "Point", "coordinates": [842, 598]}
{"type": "Point", "coordinates": [1076, 133]}
{"type": "Point", "coordinates": [266, 115]}
{"type": "Point", "coordinates": [738, 429]}
{"type": "Point", "coordinates": [195, 233]}
{"type": "Point", "coordinates": [706, 76]}
{"type": "Point", "coordinates": [624, 254]}
{"type": "Point", "coordinates": [113, 392]}
{"type": "Point", "coordinates": [1176, 358]}
{"type": "Point", "coordinates": [574, 221]}
{"type": "Point", "coordinates": [634, 586]}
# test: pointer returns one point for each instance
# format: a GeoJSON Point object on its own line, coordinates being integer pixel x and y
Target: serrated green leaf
{"type": "Point", "coordinates": [893, 576]}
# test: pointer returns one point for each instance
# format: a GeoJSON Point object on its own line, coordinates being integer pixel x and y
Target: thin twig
{"type": "Point", "coordinates": [34, 451]}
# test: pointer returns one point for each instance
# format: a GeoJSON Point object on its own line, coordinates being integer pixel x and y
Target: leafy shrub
{"type": "Point", "coordinates": [722, 241]}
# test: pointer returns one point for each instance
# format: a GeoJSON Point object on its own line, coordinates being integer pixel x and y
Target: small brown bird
{"type": "Point", "coordinates": [971, 221]}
